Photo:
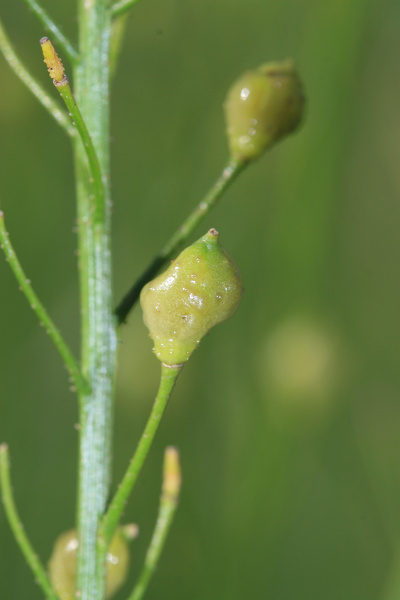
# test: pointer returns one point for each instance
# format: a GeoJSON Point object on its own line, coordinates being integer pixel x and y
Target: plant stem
{"type": "Point", "coordinates": [168, 504]}
{"type": "Point", "coordinates": [21, 72]}
{"type": "Point", "coordinates": [58, 35]}
{"type": "Point", "coordinates": [18, 528]}
{"type": "Point", "coordinates": [226, 178]}
{"type": "Point", "coordinates": [117, 35]}
{"type": "Point", "coordinates": [94, 165]}
{"type": "Point", "coordinates": [117, 504]}
{"type": "Point", "coordinates": [98, 324]}
{"type": "Point", "coordinates": [26, 287]}
{"type": "Point", "coordinates": [121, 7]}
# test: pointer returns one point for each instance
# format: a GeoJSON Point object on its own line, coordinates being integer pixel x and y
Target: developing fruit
{"type": "Point", "coordinates": [261, 107]}
{"type": "Point", "coordinates": [62, 564]}
{"type": "Point", "coordinates": [201, 288]}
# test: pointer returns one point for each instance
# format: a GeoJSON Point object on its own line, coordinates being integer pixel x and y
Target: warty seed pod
{"type": "Point", "coordinates": [201, 288]}
{"type": "Point", "coordinates": [261, 107]}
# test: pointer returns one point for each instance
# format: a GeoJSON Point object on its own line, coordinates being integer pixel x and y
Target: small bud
{"type": "Point", "coordinates": [172, 477]}
{"type": "Point", "coordinates": [52, 60]}
{"type": "Point", "coordinates": [201, 288]}
{"type": "Point", "coordinates": [261, 107]}
{"type": "Point", "coordinates": [62, 564]}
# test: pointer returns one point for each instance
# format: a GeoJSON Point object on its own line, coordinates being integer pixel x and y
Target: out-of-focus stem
{"type": "Point", "coordinates": [19, 69]}
{"type": "Point", "coordinates": [18, 529]}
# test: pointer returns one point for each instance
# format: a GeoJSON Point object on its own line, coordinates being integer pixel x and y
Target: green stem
{"type": "Point", "coordinates": [121, 7]}
{"type": "Point", "coordinates": [9, 54]}
{"type": "Point", "coordinates": [226, 178]}
{"type": "Point", "coordinates": [26, 287]}
{"type": "Point", "coordinates": [94, 166]}
{"type": "Point", "coordinates": [18, 528]}
{"type": "Point", "coordinates": [168, 504]}
{"type": "Point", "coordinates": [91, 82]}
{"type": "Point", "coordinates": [117, 36]}
{"type": "Point", "coordinates": [117, 504]}
{"type": "Point", "coordinates": [58, 35]}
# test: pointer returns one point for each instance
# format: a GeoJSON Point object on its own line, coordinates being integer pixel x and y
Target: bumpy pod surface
{"type": "Point", "coordinates": [62, 564]}
{"type": "Point", "coordinates": [201, 288]}
{"type": "Point", "coordinates": [261, 107]}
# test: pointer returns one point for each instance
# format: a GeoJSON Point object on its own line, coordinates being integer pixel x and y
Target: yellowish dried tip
{"type": "Point", "coordinates": [172, 473]}
{"type": "Point", "coordinates": [52, 60]}
{"type": "Point", "coordinates": [129, 531]}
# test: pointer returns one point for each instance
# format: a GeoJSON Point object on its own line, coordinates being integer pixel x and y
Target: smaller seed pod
{"type": "Point", "coordinates": [62, 564]}
{"type": "Point", "coordinates": [200, 289]}
{"type": "Point", "coordinates": [261, 107]}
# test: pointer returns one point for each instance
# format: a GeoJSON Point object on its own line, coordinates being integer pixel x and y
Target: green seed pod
{"type": "Point", "coordinates": [201, 288]}
{"type": "Point", "coordinates": [261, 107]}
{"type": "Point", "coordinates": [62, 564]}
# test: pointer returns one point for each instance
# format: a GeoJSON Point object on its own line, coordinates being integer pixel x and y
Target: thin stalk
{"type": "Point", "coordinates": [121, 7]}
{"type": "Point", "coordinates": [60, 80]}
{"type": "Point", "coordinates": [168, 505]}
{"type": "Point", "coordinates": [58, 35]}
{"type": "Point", "coordinates": [226, 178]}
{"type": "Point", "coordinates": [94, 166]}
{"type": "Point", "coordinates": [111, 518]}
{"type": "Point", "coordinates": [26, 287]}
{"type": "Point", "coordinates": [91, 83]}
{"type": "Point", "coordinates": [117, 36]}
{"type": "Point", "coordinates": [17, 527]}
{"type": "Point", "coordinates": [9, 54]}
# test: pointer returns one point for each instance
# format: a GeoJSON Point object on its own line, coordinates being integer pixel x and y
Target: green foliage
{"type": "Point", "coordinates": [282, 497]}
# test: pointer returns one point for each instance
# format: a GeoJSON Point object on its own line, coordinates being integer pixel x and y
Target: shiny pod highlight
{"type": "Point", "coordinates": [261, 107]}
{"type": "Point", "coordinates": [200, 289]}
{"type": "Point", "coordinates": [62, 564]}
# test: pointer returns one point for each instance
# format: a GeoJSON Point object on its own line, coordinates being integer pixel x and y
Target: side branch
{"type": "Point", "coordinates": [111, 518]}
{"type": "Point", "coordinates": [26, 287]}
{"type": "Point", "coordinates": [226, 178]}
{"type": "Point", "coordinates": [9, 54]}
{"type": "Point", "coordinates": [60, 80]}
{"type": "Point", "coordinates": [121, 7]}
{"type": "Point", "coordinates": [18, 529]}
{"type": "Point", "coordinates": [49, 24]}
{"type": "Point", "coordinates": [168, 504]}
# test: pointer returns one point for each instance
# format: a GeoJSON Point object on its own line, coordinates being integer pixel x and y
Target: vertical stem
{"type": "Point", "coordinates": [91, 86]}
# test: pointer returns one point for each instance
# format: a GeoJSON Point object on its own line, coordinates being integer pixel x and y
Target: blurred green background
{"type": "Point", "coordinates": [288, 416]}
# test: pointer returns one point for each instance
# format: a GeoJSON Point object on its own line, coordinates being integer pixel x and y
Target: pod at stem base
{"type": "Point", "coordinates": [62, 564]}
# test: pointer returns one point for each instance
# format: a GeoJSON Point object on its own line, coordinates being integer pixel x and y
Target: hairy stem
{"type": "Point", "coordinates": [98, 324]}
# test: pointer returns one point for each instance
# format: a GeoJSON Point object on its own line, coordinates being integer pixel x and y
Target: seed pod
{"type": "Point", "coordinates": [62, 564]}
{"type": "Point", "coordinates": [261, 107]}
{"type": "Point", "coordinates": [201, 288]}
